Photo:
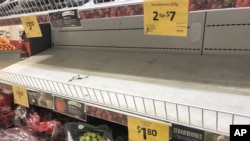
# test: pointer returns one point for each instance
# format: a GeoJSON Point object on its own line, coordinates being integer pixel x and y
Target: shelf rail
{"type": "Point", "coordinates": [192, 116]}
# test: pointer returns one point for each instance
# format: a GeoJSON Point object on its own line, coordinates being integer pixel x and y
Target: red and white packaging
{"type": "Point", "coordinates": [6, 102]}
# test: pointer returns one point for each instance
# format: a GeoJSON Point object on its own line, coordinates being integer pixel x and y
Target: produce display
{"type": "Point", "coordinates": [91, 136]}
{"type": "Point", "coordinates": [5, 45]}
{"type": "Point", "coordinates": [17, 134]}
{"type": "Point", "coordinates": [79, 131]}
{"type": "Point", "coordinates": [38, 123]}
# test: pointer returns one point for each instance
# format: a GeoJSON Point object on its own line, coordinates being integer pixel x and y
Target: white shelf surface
{"type": "Point", "coordinates": [8, 58]}
{"type": "Point", "coordinates": [219, 83]}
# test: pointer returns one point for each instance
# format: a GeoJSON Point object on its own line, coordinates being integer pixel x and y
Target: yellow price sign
{"type": "Point", "coordinates": [166, 17]}
{"type": "Point", "coordinates": [31, 26]}
{"type": "Point", "coordinates": [20, 96]}
{"type": "Point", "coordinates": [146, 130]}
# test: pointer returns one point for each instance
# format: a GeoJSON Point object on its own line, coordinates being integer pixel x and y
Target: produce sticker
{"type": "Point", "coordinates": [31, 26]}
{"type": "Point", "coordinates": [146, 130]}
{"type": "Point", "coordinates": [166, 17]}
{"type": "Point", "coordinates": [20, 96]}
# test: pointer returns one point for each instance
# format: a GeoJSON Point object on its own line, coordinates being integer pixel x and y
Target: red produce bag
{"type": "Point", "coordinates": [17, 134]}
{"type": "Point", "coordinates": [20, 116]}
{"type": "Point", "coordinates": [7, 120]}
{"type": "Point", "coordinates": [33, 120]}
{"type": "Point", "coordinates": [6, 103]}
{"type": "Point", "coordinates": [49, 129]}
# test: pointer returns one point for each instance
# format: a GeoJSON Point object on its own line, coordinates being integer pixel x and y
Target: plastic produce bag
{"type": "Point", "coordinates": [6, 103]}
{"type": "Point", "coordinates": [32, 119]}
{"type": "Point", "coordinates": [78, 131]}
{"type": "Point", "coordinates": [49, 129]}
{"type": "Point", "coordinates": [7, 120]}
{"type": "Point", "coordinates": [6, 108]}
{"type": "Point", "coordinates": [17, 134]}
{"type": "Point", "coordinates": [20, 116]}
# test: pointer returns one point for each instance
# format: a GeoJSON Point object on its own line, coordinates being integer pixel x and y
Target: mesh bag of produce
{"type": "Point", "coordinates": [77, 131]}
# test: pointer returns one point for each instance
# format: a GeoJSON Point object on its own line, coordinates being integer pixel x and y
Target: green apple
{"type": "Point", "coordinates": [87, 138]}
{"type": "Point", "coordinates": [93, 135]}
{"type": "Point", "coordinates": [85, 134]}
{"type": "Point", "coordinates": [82, 138]}
{"type": "Point", "coordinates": [99, 137]}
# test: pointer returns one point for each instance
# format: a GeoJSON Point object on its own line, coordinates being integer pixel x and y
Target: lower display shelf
{"type": "Point", "coordinates": [136, 128]}
{"type": "Point", "coordinates": [188, 115]}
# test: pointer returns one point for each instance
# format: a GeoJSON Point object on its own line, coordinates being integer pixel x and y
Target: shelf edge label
{"type": "Point", "coordinates": [147, 130]}
{"type": "Point", "coordinates": [31, 26]}
{"type": "Point", "coordinates": [20, 96]}
{"type": "Point", "coordinates": [166, 17]}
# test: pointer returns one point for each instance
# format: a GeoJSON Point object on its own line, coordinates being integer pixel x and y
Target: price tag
{"type": "Point", "coordinates": [166, 17]}
{"type": "Point", "coordinates": [20, 96]}
{"type": "Point", "coordinates": [31, 26]}
{"type": "Point", "coordinates": [145, 130]}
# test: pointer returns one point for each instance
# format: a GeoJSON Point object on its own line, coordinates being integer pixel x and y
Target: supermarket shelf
{"type": "Point", "coordinates": [134, 73]}
{"type": "Point", "coordinates": [189, 93]}
{"type": "Point", "coordinates": [128, 33]}
{"type": "Point", "coordinates": [226, 35]}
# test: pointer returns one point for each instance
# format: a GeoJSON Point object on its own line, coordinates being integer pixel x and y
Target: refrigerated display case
{"type": "Point", "coordinates": [200, 81]}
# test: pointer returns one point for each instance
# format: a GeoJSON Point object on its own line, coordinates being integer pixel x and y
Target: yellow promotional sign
{"type": "Point", "coordinates": [31, 26]}
{"type": "Point", "coordinates": [145, 130]}
{"type": "Point", "coordinates": [20, 96]}
{"type": "Point", "coordinates": [166, 17]}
